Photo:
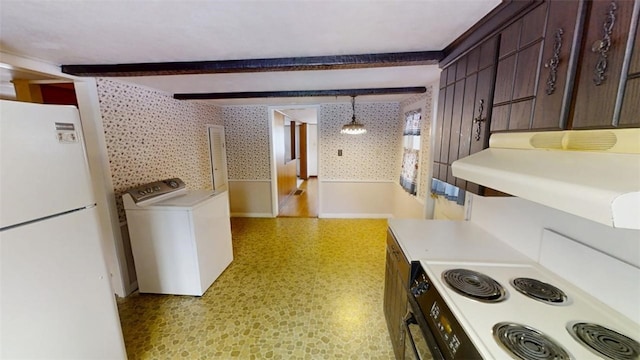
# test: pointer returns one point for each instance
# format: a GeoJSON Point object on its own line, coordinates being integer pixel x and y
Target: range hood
{"type": "Point", "coordinates": [594, 174]}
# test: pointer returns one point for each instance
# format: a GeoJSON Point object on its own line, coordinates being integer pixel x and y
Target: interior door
{"type": "Point", "coordinates": [304, 173]}
{"type": "Point", "coordinates": [218, 157]}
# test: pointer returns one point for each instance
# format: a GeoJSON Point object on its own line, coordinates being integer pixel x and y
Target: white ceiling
{"type": "Point", "coordinates": [132, 31]}
{"type": "Point", "coordinates": [306, 115]}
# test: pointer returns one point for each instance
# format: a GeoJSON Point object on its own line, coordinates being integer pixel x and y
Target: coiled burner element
{"type": "Point", "coordinates": [604, 341]}
{"type": "Point", "coordinates": [523, 342]}
{"type": "Point", "coordinates": [539, 290]}
{"type": "Point", "coordinates": [474, 285]}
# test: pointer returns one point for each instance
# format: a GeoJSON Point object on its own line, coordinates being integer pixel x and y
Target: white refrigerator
{"type": "Point", "coordinates": [56, 300]}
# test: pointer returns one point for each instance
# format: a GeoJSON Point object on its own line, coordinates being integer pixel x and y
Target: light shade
{"type": "Point", "coordinates": [354, 127]}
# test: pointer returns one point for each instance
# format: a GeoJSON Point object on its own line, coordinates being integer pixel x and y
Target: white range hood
{"type": "Point", "coordinates": [593, 174]}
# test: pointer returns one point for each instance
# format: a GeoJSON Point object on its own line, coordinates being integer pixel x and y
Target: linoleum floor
{"type": "Point", "coordinates": [298, 288]}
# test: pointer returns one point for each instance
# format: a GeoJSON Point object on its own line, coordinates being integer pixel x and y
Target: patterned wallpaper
{"type": "Point", "coordinates": [151, 136]}
{"type": "Point", "coordinates": [371, 156]}
{"type": "Point", "coordinates": [424, 102]}
{"type": "Point", "coordinates": [247, 136]}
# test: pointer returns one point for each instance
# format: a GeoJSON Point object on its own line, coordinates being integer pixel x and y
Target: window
{"type": "Point", "coordinates": [411, 151]}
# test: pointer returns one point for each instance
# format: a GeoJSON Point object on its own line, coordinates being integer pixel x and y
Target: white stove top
{"type": "Point", "coordinates": [478, 318]}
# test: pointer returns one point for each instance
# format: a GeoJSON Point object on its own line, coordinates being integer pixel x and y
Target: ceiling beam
{"type": "Point", "coordinates": [300, 93]}
{"type": "Point", "coordinates": [334, 62]}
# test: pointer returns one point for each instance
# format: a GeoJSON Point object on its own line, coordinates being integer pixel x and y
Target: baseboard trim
{"type": "Point", "coordinates": [252, 215]}
{"type": "Point", "coordinates": [354, 216]}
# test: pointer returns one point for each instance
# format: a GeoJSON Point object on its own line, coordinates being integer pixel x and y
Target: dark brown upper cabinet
{"type": "Point", "coordinates": [630, 111]}
{"type": "Point", "coordinates": [466, 90]}
{"type": "Point", "coordinates": [533, 69]}
{"type": "Point", "coordinates": [538, 65]}
{"type": "Point", "coordinates": [608, 89]}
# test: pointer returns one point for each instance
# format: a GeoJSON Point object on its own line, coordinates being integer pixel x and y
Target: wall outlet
{"type": "Point", "coordinates": [340, 152]}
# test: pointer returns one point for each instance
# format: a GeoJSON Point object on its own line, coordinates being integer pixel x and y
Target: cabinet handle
{"type": "Point", "coordinates": [479, 120]}
{"type": "Point", "coordinates": [603, 45]}
{"type": "Point", "coordinates": [553, 63]}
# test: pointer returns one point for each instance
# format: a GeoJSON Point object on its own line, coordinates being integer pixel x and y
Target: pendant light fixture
{"type": "Point", "coordinates": [354, 127]}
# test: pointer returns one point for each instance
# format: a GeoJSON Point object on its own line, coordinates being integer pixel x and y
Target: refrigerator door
{"type": "Point", "coordinates": [43, 166]}
{"type": "Point", "coordinates": [55, 295]}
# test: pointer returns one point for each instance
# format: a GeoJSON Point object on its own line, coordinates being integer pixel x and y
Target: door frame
{"type": "Point", "coordinates": [274, 170]}
{"type": "Point", "coordinates": [211, 127]}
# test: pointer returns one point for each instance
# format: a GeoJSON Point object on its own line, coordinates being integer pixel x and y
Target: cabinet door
{"type": "Point", "coordinates": [437, 134]}
{"type": "Point", "coordinates": [395, 295]}
{"type": "Point", "coordinates": [464, 111]}
{"type": "Point", "coordinates": [480, 122]}
{"type": "Point", "coordinates": [443, 131]}
{"type": "Point", "coordinates": [534, 76]}
{"type": "Point", "coordinates": [454, 128]}
{"type": "Point", "coordinates": [630, 112]}
{"type": "Point", "coordinates": [553, 95]}
{"type": "Point", "coordinates": [392, 303]}
{"type": "Point", "coordinates": [516, 77]}
{"type": "Point", "coordinates": [602, 61]}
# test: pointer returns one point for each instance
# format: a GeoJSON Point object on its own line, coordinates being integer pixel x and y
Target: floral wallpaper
{"type": "Point", "coordinates": [425, 102]}
{"type": "Point", "coordinates": [247, 136]}
{"type": "Point", "coordinates": [371, 156]}
{"type": "Point", "coordinates": [151, 136]}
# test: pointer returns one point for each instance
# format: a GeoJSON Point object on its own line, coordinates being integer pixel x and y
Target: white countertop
{"type": "Point", "coordinates": [451, 241]}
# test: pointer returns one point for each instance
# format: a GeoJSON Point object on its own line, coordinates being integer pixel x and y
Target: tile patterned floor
{"type": "Point", "coordinates": [298, 288]}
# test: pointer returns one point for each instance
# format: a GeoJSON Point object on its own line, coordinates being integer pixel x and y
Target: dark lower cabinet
{"type": "Point", "coordinates": [395, 302]}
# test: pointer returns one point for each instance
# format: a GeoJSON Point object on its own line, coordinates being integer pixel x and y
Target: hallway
{"type": "Point", "coordinates": [297, 289]}
{"type": "Point", "coordinates": [304, 205]}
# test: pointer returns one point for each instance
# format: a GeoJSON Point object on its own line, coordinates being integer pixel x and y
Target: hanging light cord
{"type": "Point", "coordinates": [353, 128]}
{"type": "Point", "coordinates": [353, 107]}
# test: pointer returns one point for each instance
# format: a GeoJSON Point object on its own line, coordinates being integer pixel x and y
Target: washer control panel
{"type": "Point", "coordinates": [156, 188]}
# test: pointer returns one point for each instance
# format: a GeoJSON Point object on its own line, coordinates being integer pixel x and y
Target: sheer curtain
{"type": "Point", "coordinates": [411, 152]}
{"type": "Point", "coordinates": [450, 192]}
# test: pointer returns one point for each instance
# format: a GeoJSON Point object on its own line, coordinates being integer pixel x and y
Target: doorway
{"type": "Point", "coordinates": [295, 159]}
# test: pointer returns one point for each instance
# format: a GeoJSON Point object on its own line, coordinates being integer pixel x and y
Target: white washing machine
{"type": "Point", "coordinates": [180, 239]}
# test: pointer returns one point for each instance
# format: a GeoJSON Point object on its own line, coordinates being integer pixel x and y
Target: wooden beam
{"type": "Point", "coordinates": [299, 93]}
{"type": "Point", "coordinates": [258, 65]}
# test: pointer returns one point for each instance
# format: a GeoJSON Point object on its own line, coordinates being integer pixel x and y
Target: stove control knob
{"type": "Point", "coordinates": [156, 188]}
{"type": "Point", "coordinates": [173, 184]}
{"type": "Point", "coordinates": [420, 288]}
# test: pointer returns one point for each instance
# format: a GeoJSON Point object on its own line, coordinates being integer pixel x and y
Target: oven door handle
{"type": "Point", "coordinates": [410, 319]}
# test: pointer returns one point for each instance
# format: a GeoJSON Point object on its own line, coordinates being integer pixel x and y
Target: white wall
{"type": "Point", "coordinates": [312, 149]}
{"type": "Point", "coordinates": [356, 199]}
{"type": "Point", "coordinates": [359, 181]}
{"type": "Point", "coordinates": [250, 198]}
{"type": "Point", "coordinates": [248, 141]}
{"type": "Point", "coordinates": [368, 199]}
{"type": "Point", "coordinates": [406, 206]}
{"type": "Point", "coordinates": [520, 223]}
{"type": "Point", "coordinates": [602, 261]}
